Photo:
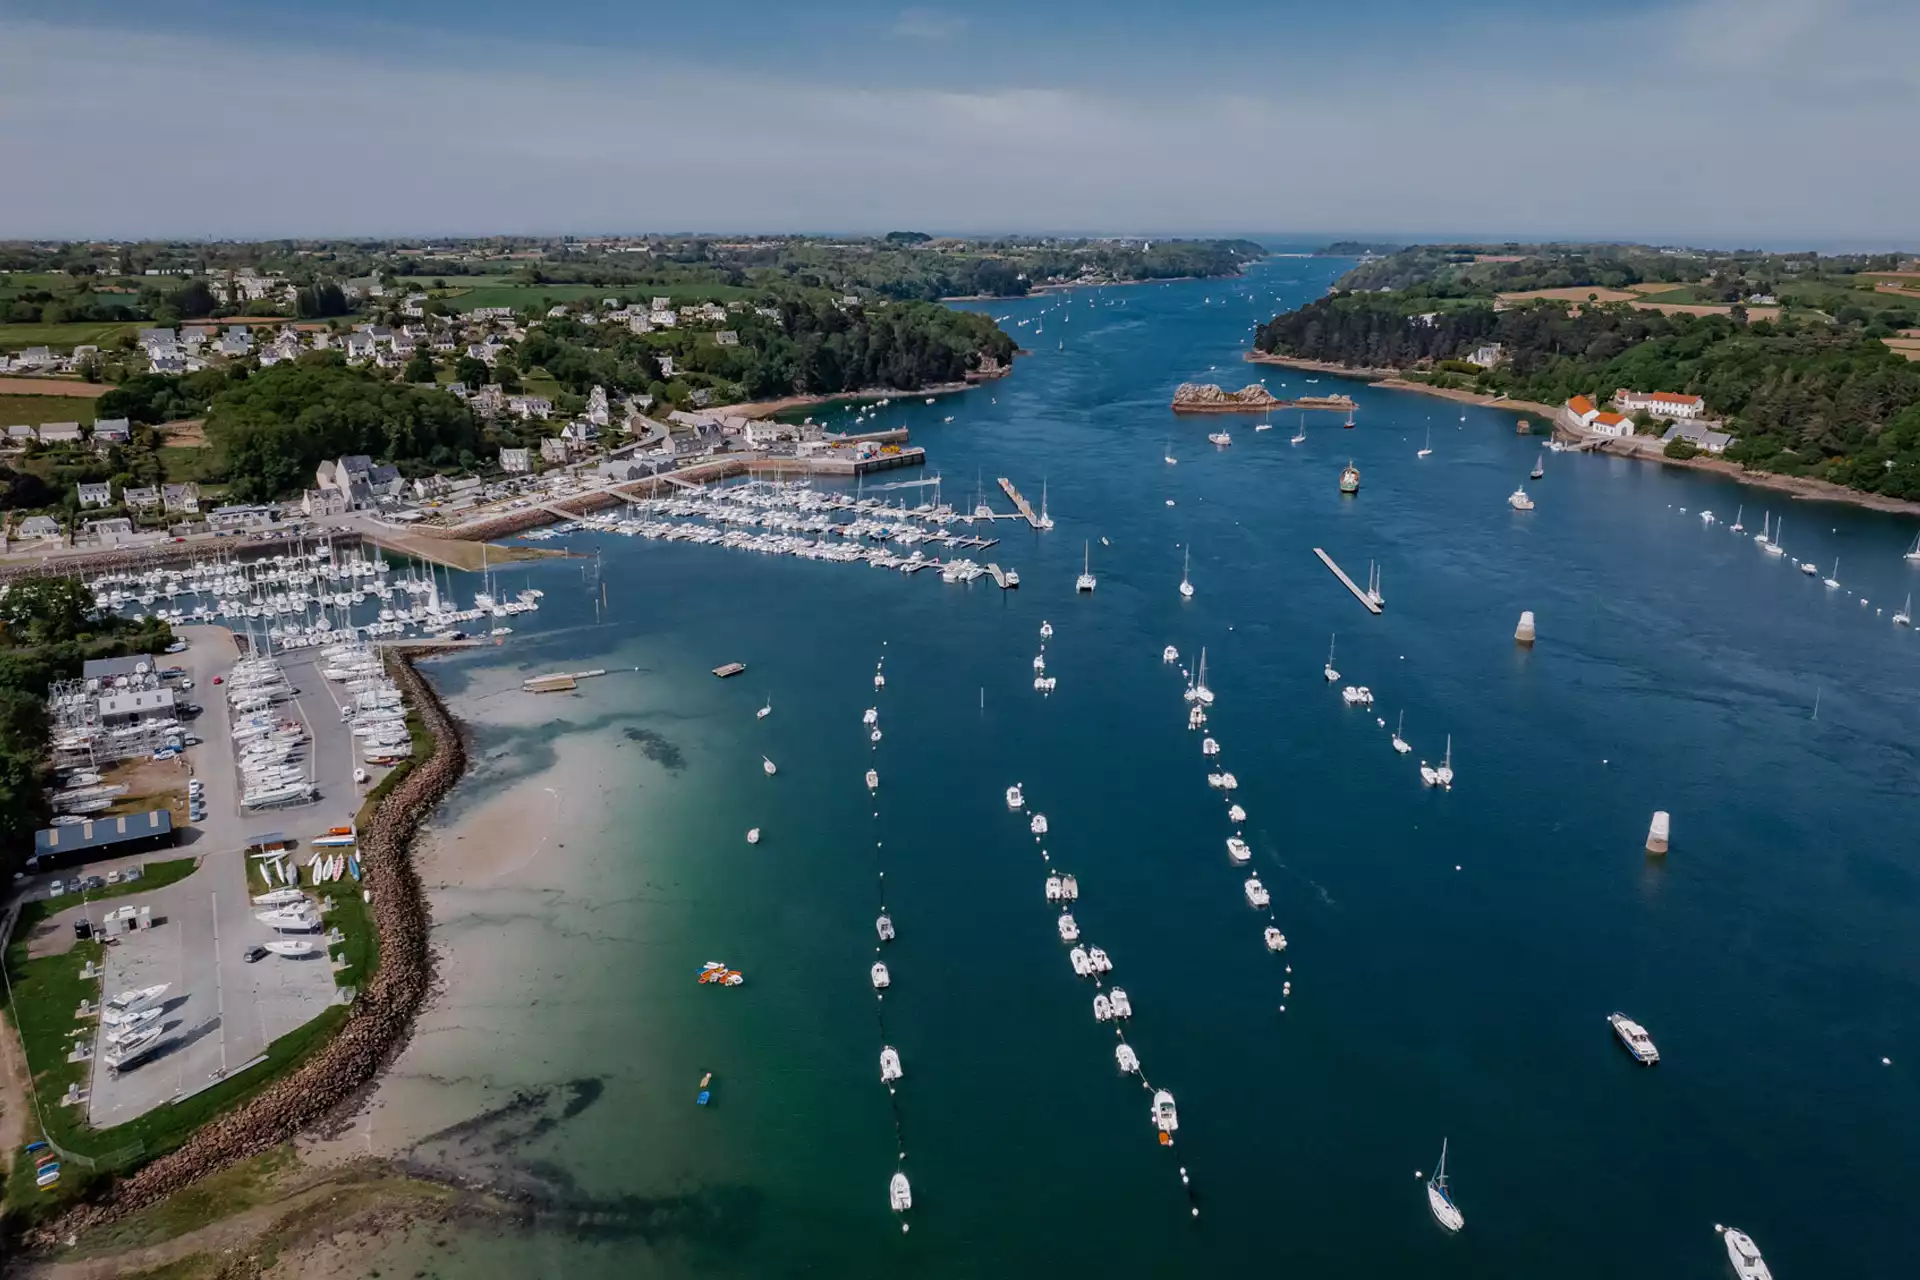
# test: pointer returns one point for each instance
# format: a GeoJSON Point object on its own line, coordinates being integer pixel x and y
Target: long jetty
{"type": "Point", "coordinates": [1024, 507]}
{"type": "Point", "coordinates": [1372, 605]}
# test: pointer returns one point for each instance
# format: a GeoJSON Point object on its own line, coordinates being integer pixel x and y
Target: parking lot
{"type": "Point", "coordinates": [220, 1011]}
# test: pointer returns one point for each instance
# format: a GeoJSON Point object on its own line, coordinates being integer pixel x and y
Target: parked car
{"type": "Point", "coordinates": [219, 679]}
{"type": "Point", "coordinates": [178, 646]}
{"type": "Point", "coordinates": [57, 888]}
{"type": "Point", "coordinates": [255, 953]}
{"type": "Point", "coordinates": [93, 883]}
{"type": "Point", "coordinates": [113, 877]}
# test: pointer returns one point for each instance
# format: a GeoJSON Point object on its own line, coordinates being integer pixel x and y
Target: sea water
{"type": "Point", "coordinates": [1453, 955]}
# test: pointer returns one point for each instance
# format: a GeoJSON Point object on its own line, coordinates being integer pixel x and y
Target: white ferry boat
{"type": "Point", "coordinates": [1635, 1038]}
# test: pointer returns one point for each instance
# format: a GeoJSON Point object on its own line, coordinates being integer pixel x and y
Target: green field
{"type": "Point", "coordinates": [34, 410]}
{"type": "Point", "coordinates": [13, 284]}
{"type": "Point", "coordinates": [64, 337]}
{"type": "Point", "coordinates": [184, 462]}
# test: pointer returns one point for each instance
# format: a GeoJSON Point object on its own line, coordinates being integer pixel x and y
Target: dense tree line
{"type": "Point", "coordinates": [1804, 397]}
{"type": "Point", "coordinates": [1482, 270]}
{"type": "Point", "coordinates": [48, 628]}
{"type": "Point", "coordinates": [813, 344]}
{"type": "Point", "coordinates": [159, 397]}
{"type": "Point", "coordinates": [272, 430]}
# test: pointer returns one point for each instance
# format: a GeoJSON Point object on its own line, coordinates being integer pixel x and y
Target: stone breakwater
{"type": "Point", "coordinates": [380, 1018]}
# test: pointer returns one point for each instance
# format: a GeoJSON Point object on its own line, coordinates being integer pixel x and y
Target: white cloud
{"type": "Point", "coordinates": [195, 137]}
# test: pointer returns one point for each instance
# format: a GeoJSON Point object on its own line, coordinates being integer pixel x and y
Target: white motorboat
{"type": "Point", "coordinates": [1328, 670]}
{"type": "Point", "coordinates": [1085, 581]}
{"type": "Point", "coordinates": [1046, 631]}
{"type": "Point", "coordinates": [1706, 517]}
{"type": "Point", "coordinates": [1098, 960]}
{"type": "Point", "coordinates": [1257, 893]}
{"type": "Point", "coordinates": [1196, 716]}
{"type": "Point", "coordinates": [890, 1065]}
{"type": "Point", "coordinates": [884, 927]}
{"type": "Point", "coordinates": [1635, 1039]}
{"type": "Point", "coordinates": [1069, 931]}
{"type": "Point", "coordinates": [1165, 1118]}
{"type": "Point", "coordinates": [1228, 782]}
{"type": "Point", "coordinates": [873, 780]}
{"type": "Point", "coordinates": [1219, 438]}
{"type": "Point", "coordinates": [1128, 1060]}
{"type": "Point", "coordinates": [1117, 1000]}
{"type": "Point", "coordinates": [871, 717]}
{"type": "Point", "coordinates": [879, 680]}
{"type": "Point", "coordinates": [881, 979]}
{"type": "Point", "coordinates": [280, 898]}
{"type": "Point", "coordinates": [1237, 849]}
{"type": "Point", "coordinates": [292, 948]}
{"type": "Point", "coordinates": [1186, 583]}
{"type": "Point", "coordinates": [1357, 695]}
{"type": "Point", "coordinates": [1102, 1009]}
{"type": "Point", "coordinates": [1208, 747]}
{"type": "Point", "coordinates": [1236, 814]}
{"type": "Point", "coordinates": [1082, 966]}
{"type": "Point", "coordinates": [1519, 500]}
{"type": "Point", "coordinates": [134, 1048]}
{"type": "Point", "coordinates": [1806, 567]}
{"type": "Point", "coordinates": [1015, 797]}
{"type": "Point", "coordinates": [1045, 684]}
{"type": "Point", "coordinates": [1053, 888]}
{"type": "Point", "coordinates": [300, 919]}
{"type": "Point", "coordinates": [1399, 742]}
{"type": "Point", "coordinates": [768, 766]}
{"type": "Point", "coordinates": [1039, 662]}
{"type": "Point", "coordinates": [753, 835]}
{"type": "Point", "coordinates": [899, 1194]}
{"type": "Point", "coordinates": [1276, 940]}
{"type": "Point", "coordinates": [1438, 1198]}
{"type": "Point", "coordinates": [1744, 1254]}
{"type": "Point", "coordinates": [1169, 655]}
{"type": "Point", "coordinates": [1038, 825]}
{"type": "Point", "coordinates": [765, 711]}
{"type": "Point", "coordinates": [132, 1024]}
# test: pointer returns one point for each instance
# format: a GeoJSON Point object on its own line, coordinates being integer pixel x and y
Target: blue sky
{"type": "Point", "coordinates": [1713, 121]}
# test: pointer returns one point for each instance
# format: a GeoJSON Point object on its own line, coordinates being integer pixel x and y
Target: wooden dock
{"type": "Point", "coordinates": [1359, 594]}
{"type": "Point", "coordinates": [1024, 507]}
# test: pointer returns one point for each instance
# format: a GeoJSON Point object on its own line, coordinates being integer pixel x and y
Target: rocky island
{"type": "Point", "coordinates": [1206, 397]}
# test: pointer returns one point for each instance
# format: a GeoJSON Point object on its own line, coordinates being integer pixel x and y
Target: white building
{"type": "Point", "coordinates": [96, 495]}
{"type": "Point", "coordinates": [1661, 404]}
{"type": "Point", "coordinates": [515, 462]}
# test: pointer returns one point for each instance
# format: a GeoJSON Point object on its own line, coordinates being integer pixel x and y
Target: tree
{"type": "Point", "coordinates": [420, 365]}
{"type": "Point", "coordinates": [471, 371]}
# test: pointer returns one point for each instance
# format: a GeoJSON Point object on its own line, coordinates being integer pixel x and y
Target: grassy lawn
{"type": "Point", "coordinates": [184, 462]}
{"type": "Point", "coordinates": [350, 914]}
{"type": "Point", "coordinates": [62, 337]}
{"type": "Point", "coordinates": [34, 410]}
{"type": "Point", "coordinates": [247, 1184]}
{"type": "Point", "coordinates": [520, 296]}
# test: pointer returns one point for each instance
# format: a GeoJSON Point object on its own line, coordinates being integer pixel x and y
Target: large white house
{"type": "Point", "coordinates": [1661, 404]}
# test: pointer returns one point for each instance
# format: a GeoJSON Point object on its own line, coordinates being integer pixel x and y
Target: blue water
{"type": "Point", "coordinates": [1454, 956]}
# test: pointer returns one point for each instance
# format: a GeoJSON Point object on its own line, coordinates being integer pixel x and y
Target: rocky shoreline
{"type": "Point", "coordinates": [381, 1017]}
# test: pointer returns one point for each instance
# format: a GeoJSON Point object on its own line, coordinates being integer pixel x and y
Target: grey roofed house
{"type": "Point", "coordinates": [118, 429]}
{"type": "Point", "coordinates": [95, 495]}
{"type": "Point", "coordinates": [385, 480]}
{"type": "Point", "coordinates": [21, 434]}
{"type": "Point", "coordinates": [39, 527]}
{"type": "Point", "coordinates": [1699, 435]}
{"type": "Point", "coordinates": [180, 497]}
{"type": "Point", "coordinates": [141, 498]}
{"type": "Point", "coordinates": [59, 433]}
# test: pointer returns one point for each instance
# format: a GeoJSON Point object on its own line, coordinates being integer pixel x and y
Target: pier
{"type": "Point", "coordinates": [1021, 504]}
{"type": "Point", "coordinates": [1371, 604]}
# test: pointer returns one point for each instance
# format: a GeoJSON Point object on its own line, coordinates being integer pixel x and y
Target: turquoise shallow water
{"type": "Point", "coordinates": [1772, 954]}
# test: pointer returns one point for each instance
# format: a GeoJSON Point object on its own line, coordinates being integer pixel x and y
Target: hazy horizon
{"type": "Point", "coordinates": [1715, 123]}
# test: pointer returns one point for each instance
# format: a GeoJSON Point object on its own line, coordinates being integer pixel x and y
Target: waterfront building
{"type": "Point", "coordinates": [1661, 404]}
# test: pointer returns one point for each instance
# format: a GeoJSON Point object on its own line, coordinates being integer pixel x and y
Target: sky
{"type": "Point", "coordinates": [1711, 122]}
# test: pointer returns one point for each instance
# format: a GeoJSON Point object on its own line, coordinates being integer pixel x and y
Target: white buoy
{"type": "Point", "coordinates": [1657, 834]}
{"type": "Point", "coordinates": [1523, 633]}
